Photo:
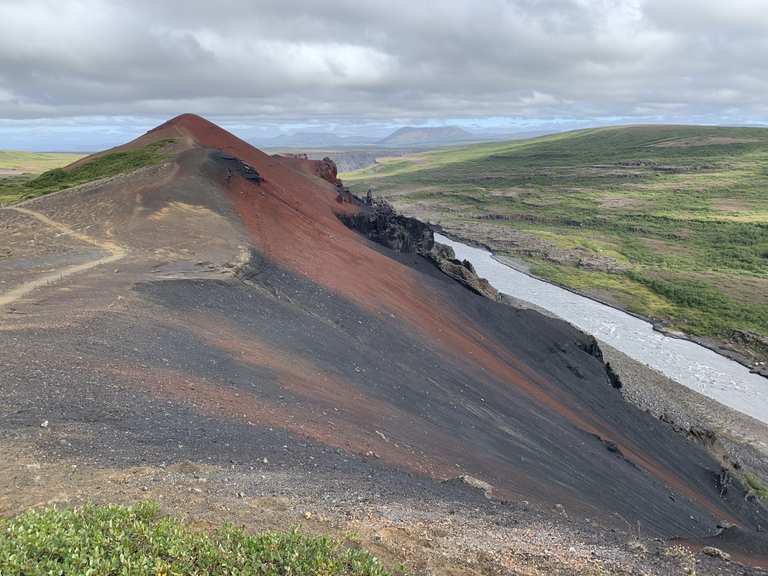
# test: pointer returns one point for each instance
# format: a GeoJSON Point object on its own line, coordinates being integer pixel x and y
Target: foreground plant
{"type": "Point", "coordinates": [112, 540]}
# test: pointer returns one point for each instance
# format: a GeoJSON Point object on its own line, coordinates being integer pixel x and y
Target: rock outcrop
{"type": "Point", "coordinates": [326, 169]}
{"type": "Point", "coordinates": [236, 166]}
{"type": "Point", "coordinates": [471, 483]}
{"type": "Point", "coordinates": [333, 347]}
{"type": "Point", "coordinates": [379, 222]}
{"type": "Point", "coordinates": [462, 270]}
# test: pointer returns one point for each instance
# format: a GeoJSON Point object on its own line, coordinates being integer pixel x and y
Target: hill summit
{"type": "Point", "coordinates": [218, 306]}
{"type": "Point", "coordinates": [419, 136]}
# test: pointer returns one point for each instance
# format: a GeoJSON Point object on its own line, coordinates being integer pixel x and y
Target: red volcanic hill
{"type": "Point", "coordinates": [240, 314]}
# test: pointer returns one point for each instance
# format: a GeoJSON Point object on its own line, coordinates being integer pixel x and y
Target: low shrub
{"type": "Point", "coordinates": [102, 167]}
{"type": "Point", "coordinates": [134, 541]}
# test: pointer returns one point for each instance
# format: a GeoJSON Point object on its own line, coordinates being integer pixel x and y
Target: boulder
{"type": "Point", "coordinates": [326, 169]}
{"type": "Point", "coordinates": [716, 553]}
{"type": "Point", "coordinates": [471, 482]}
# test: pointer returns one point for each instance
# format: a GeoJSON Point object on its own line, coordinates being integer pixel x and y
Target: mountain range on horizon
{"type": "Point", "coordinates": [406, 137]}
{"type": "Point", "coordinates": [384, 288]}
{"type": "Point", "coordinates": [225, 305]}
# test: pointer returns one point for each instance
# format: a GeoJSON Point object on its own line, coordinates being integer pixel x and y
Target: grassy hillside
{"type": "Point", "coordinates": [17, 188]}
{"type": "Point", "coordinates": [670, 222]}
{"type": "Point", "coordinates": [34, 162]}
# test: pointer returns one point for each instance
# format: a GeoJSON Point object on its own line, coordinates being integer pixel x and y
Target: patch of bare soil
{"type": "Point", "coordinates": [731, 205]}
{"type": "Point", "coordinates": [749, 289]}
{"type": "Point", "coordinates": [27, 237]}
{"type": "Point", "coordinates": [613, 202]}
{"type": "Point", "coordinates": [436, 537]}
{"type": "Point", "coordinates": [520, 244]}
{"type": "Point", "coordinates": [114, 251]}
{"type": "Point", "coordinates": [512, 192]}
{"type": "Point", "coordinates": [665, 246]}
{"type": "Point", "coordinates": [705, 141]}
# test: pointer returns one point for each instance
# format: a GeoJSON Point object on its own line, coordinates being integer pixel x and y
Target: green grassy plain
{"type": "Point", "coordinates": [670, 222]}
{"type": "Point", "coordinates": [35, 162]}
{"type": "Point", "coordinates": [17, 188]}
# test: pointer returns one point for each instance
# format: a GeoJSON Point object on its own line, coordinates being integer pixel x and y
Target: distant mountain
{"type": "Point", "coordinates": [408, 137]}
{"type": "Point", "coordinates": [419, 136]}
{"type": "Point", "coordinates": [230, 305]}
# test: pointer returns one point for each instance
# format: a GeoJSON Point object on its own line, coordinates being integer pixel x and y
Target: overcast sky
{"type": "Point", "coordinates": [85, 73]}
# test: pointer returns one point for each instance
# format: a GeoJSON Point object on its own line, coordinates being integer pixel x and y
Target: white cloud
{"type": "Point", "coordinates": [384, 59]}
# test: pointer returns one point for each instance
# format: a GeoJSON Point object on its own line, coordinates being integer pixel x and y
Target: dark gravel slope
{"type": "Point", "coordinates": [247, 323]}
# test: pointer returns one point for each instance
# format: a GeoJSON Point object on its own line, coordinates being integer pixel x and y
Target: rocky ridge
{"type": "Point", "coordinates": [380, 222]}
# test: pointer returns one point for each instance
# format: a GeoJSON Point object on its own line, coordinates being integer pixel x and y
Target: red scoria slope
{"type": "Point", "coordinates": [293, 221]}
{"type": "Point", "coordinates": [346, 344]}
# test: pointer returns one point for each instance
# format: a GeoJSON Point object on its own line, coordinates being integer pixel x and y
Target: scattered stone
{"type": "Point", "coordinates": [722, 526]}
{"type": "Point", "coordinates": [307, 515]}
{"type": "Point", "coordinates": [472, 482]}
{"type": "Point", "coordinates": [240, 495]}
{"type": "Point", "coordinates": [716, 553]}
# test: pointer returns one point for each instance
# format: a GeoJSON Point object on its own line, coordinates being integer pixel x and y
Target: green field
{"type": "Point", "coordinates": [670, 222]}
{"type": "Point", "coordinates": [15, 188]}
{"type": "Point", "coordinates": [34, 162]}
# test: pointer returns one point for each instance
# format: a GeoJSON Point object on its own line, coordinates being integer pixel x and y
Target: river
{"type": "Point", "coordinates": [685, 362]}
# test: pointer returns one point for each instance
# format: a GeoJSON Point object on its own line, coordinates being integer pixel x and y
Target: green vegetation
{"type": "Point", "coordinates": [18, 188]}
{"type": "Point", "coordinates": [34, 162]}
{"type": "Point", "coordinates": [107, 540]}
{"type": "Point", "coordinates": [760, 489]}
{"type": "Point", "coordinates": [670, 222]}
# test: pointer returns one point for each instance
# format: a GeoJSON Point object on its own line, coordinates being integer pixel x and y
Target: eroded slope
{"type": "Point", "coordinates": [245, 321]}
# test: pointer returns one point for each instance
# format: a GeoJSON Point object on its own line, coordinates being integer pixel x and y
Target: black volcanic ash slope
{"type": "Point", "coordinates": [246, 316]}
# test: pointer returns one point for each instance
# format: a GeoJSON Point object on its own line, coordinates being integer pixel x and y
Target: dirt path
{"type": "Point", "coordinates": [116, 253]}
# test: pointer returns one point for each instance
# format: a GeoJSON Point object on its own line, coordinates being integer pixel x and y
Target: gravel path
{"type": "Point", "coordinates": [18, 292]}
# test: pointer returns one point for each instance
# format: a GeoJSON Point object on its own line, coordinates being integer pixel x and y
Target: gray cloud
{"type": "Point", "coordinates": [384, 60]}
